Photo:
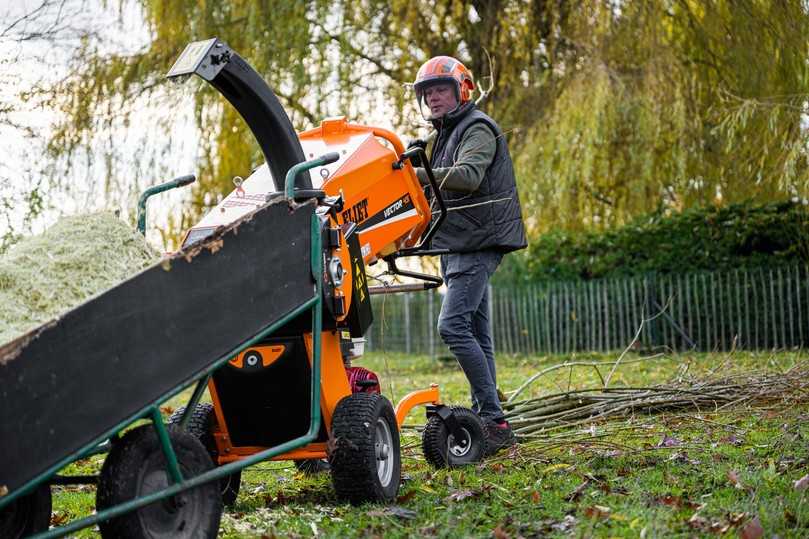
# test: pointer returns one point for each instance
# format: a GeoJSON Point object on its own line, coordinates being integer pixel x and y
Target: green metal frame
{"type": "Point", "coordinates": [292, 173]}
{"type": "Point", "coordinates": [171, 184]}
{"type": "Point", "coordinates": [152, 412]}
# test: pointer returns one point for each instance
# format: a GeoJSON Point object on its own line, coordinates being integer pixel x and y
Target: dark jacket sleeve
{"type": "Point", "coordinates": [475, 153]}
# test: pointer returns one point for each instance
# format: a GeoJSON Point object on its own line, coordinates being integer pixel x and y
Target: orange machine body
{"type": "Point", "coordinates": [385, 201]}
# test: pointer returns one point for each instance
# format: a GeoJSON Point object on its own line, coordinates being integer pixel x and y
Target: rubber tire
{"type": "Point", "coordinates": [201, 424]}
{"type": "Point", "coordinates": [353, 457]}
{"type": "Point", "coordinates": [138, 454]}
{"type": "Point", "coordinates": [434, 440]}
{"type": "Point", "coordinates": [27, 515]}
{"type": "Point", "coordinates": [312, 466]}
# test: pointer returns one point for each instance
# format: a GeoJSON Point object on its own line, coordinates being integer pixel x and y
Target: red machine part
{"type": "Point", "coordinates": [361, 380]}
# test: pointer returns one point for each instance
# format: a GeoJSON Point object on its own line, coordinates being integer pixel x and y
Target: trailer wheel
{"type": "Point", "coordinates": [201, 424]}
{"type": "Point", "coordinates": [441, 449]}
{"type": "Point", "coordinates": [27, 515]}
{"type": "Point", "coordinates": [136, 467]}
{"type": "Point", "coordinates": [365, 460]}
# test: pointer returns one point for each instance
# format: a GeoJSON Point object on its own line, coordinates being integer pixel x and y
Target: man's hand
{"type": "Point", "coordinates": [417, 143]}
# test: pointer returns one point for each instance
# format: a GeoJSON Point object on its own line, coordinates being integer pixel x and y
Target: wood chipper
{"type": "Point", "coordinates": [265, 305]}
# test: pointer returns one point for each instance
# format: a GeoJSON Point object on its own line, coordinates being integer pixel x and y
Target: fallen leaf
{"type": "Point", "coordinates": [597, 511]}
{"type": "Point", "coordinates": [752, 530]}
{"type": "Point", "coordinates": [499, 533]}
{"type": "Point", "coordinates": [733, 477]}
{"type": "Point", "coordinates": [802, 483]}
{"type": "Point", "coordinates": [556, 468]}
{"type": "Point", "coordinates": [677, 502]}
{"type": "Point", "coordinates": [59, 518]}
{"type": "Point", "coordinates": [669, 441]}
{"type": "Point", "coordinates": [535, 497]}
{"type": "Point", "coordinates": [460, 495]}
{"type": "Point", "coordinates": [404, 498]}
{"type": "Point", "coordinates": [732, 440]}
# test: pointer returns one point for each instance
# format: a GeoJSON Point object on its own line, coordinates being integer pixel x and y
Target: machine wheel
{"type": "Point", "coordinates": [441, 449]}
{"type": "Point", "coordinates": [136, 466]}
{"type": "Point", "coordinates": [201, 424]}
{"type": "Point", "coordinates": [366, 461]}
{"type": "Point", "coordinates": [27, 515]}
{"type": "Point", "coordinates": [312, 466]}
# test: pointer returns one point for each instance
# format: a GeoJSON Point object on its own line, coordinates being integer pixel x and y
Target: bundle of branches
{"type": "Point", "coordinates": [571, 408]}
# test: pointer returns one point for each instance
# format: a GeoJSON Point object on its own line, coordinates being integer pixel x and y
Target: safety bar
{"type": "Point", "coordinates": [171, 184]}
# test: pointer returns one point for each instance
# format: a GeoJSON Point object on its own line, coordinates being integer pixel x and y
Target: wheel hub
{"type": "Point", "coordinates": [461, 446]}
{"type": "Point", "coordinates": [382, 449]}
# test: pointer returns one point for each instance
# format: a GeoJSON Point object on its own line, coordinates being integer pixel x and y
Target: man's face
{"type": "Point", "coordinates": [440, 99]}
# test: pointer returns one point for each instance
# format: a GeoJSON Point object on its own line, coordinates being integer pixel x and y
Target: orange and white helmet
{"type": "Point", "coordinates": [444, 69]}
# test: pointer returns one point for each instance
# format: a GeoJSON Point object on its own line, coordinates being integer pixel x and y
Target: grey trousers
{"type": "Point", "coordinates": [464, 324]}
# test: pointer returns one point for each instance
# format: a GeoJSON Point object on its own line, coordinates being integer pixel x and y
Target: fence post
{"type": "Point", "coordinates": [491, 315]}
{"type": "Point", "coordinates": [798, 283]}
{"type": "Point", "coordinates": [406, 302]}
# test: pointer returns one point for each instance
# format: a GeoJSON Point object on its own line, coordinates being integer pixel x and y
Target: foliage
{"type": "Point", "coordinates": [706, 238]}
{"type": "Point", "coordinates": [611, 109]}
{"type": "Point", "coordinates": [678, 104]}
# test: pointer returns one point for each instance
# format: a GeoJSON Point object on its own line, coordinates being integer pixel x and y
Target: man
{"type": "Point", "coordinates": [472, 165]}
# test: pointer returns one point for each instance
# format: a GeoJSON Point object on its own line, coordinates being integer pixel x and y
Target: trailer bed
{"type": "Point", "coordinates": [71, 383]}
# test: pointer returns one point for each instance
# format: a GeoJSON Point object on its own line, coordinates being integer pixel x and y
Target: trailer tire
{"type": "Point", "coordinates": [365, 459]}
{"type": "Point", "coordinates": [201, 424]}
{"type": "Point", "coordinates": [27, 515]}
{"type": "Point", "coordinates": [440, 448]}
{"type": "Point", "coordinates": [136, 466]}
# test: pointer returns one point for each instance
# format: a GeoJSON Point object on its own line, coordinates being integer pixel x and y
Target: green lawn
{"type": "Point", "coordinates": [717, 473]}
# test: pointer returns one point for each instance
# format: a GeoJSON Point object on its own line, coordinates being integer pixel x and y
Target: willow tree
{"type": "Point", "coordinates": [672, 104]}
{"type": "Point", "coordinates": [611, 109]}
{"type": "Point", "coordinates": [320, 57]}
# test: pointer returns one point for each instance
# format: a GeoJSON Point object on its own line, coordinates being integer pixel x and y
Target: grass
{"type": "Point", "coordinates": [684, 475]}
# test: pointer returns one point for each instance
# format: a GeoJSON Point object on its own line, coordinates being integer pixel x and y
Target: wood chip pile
{"type": "Point", "coordinates": [44, 276]}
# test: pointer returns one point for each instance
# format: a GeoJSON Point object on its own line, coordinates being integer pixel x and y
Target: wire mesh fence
{"type": "Point", "coordinates": [762, 308]}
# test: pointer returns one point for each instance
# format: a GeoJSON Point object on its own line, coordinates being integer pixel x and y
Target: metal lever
{"type": "Point", "coordinates": [172, 184]}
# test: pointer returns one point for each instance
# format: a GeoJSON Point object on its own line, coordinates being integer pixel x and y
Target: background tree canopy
{"type": "Point", "coordinates": [613, 108]}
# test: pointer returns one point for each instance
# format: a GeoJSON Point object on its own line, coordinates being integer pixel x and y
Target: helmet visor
{"type": "Point", "coordinates": [421, 88]}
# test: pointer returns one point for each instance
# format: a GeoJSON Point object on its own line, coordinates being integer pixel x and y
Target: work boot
{"type": "Point", "coordinates": [498, 436]}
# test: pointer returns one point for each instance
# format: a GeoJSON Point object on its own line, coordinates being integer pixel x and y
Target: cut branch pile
{"type": "Point", "coordinates": [549, 413]}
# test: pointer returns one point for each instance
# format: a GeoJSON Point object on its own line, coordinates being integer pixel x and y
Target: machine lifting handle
{"type": "Point", "coordinates": [171, 184]}
{"type": "Point", "coordinates": [442, 207]}
{"type": "Point", "coordinates": [292, 175]}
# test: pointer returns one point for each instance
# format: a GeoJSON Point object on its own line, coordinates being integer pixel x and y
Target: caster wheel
{"type": "Point", "coordinates": [366, 461]}
{"type": "Point", "coordinates": [441, 449]}
{"type": "Point", "coordinates": [136, 467]}
{"type": "Point", "coordinates": [201, 424]}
